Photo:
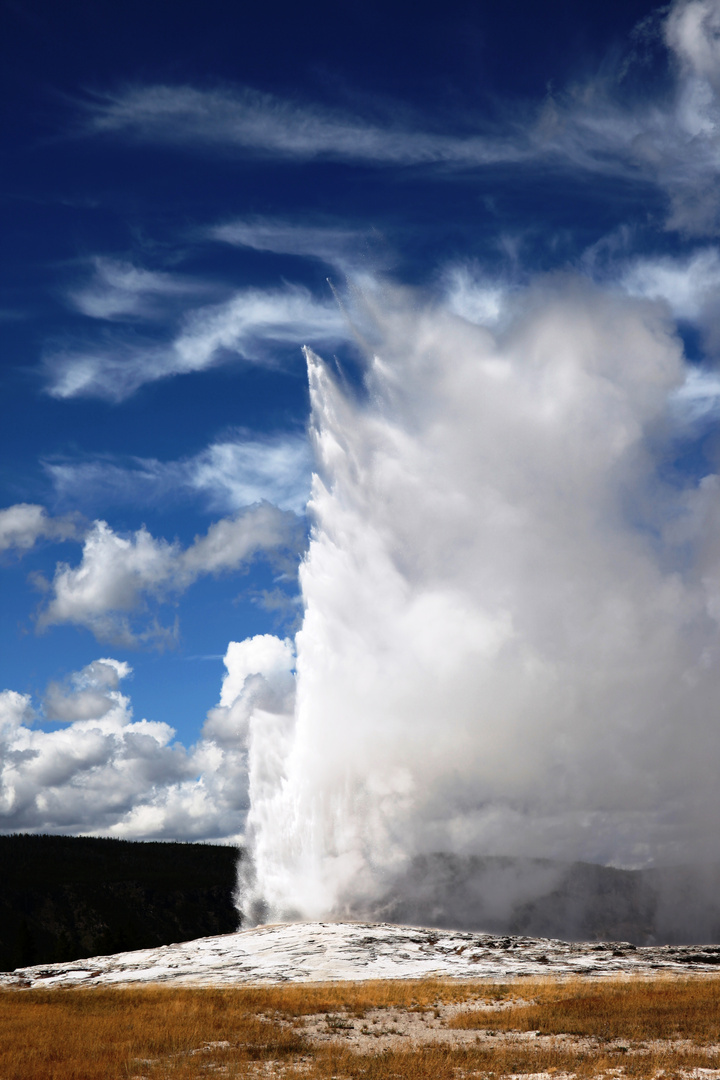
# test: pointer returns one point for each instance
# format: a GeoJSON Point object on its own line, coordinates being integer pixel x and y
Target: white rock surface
{"type": "Point", "coordinates": [319, 952]}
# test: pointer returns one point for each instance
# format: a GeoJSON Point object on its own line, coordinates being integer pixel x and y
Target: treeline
{"type": "Point", "coordinates": [68, 897]}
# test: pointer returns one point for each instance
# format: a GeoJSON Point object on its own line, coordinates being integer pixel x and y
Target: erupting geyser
{"type": "Point", "coordinates": [510, 643]}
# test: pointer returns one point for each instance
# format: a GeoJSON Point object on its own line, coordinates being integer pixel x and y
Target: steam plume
{"type": "Point", "coordinates": [510, 641]}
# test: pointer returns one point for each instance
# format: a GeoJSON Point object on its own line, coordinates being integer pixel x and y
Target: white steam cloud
{"type": "Point", "coordinates": [511, 636]}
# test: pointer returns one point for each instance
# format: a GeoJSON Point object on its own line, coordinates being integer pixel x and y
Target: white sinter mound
{"type": "Point", "coordinates": [319, 952]}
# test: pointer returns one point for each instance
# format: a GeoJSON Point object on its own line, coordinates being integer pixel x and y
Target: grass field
{"type": "Point", "coordinates": [425, 1030]}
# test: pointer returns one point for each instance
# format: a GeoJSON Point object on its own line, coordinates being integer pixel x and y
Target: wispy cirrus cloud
{"type": "Point", "coordinates": [593, 127]}
{"type": "Point", "coordinates": [229, 474]}
{"type": "Point", "coordinates": [687, 284]}
{"type": "Point", "coordinates": [332, 244]}
{"type": "Point", "coordinates": [237, 473]}
{"type": "Point", "coordinates": [697, 401]}
{"type": "Point", "coordinates": [245, 118]}
{"type": "Point", "coordinates": [690, 286]}
{"type": "Point", "coordinates": [251, 326]}
{"type": "Point", "coordinates": [118, 289]}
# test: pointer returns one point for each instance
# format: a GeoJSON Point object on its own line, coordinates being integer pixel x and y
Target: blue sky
{"type": "Point", "coordinates": [191, 193]}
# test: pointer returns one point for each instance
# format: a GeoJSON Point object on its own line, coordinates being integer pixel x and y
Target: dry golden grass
{"type": "Point", "coordinates": [88, 1034]}
{"type": "Point", "coordinates": [453, 1063]}
{"type": "Point", "coordinates": [304, 999]}
{"type": "Point", "coordinates": [258, 1031]}
{"type": "Point", "coordinates": [661, 1008]}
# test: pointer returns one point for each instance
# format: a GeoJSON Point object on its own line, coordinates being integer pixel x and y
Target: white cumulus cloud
{"type": "Point", "coordinates": [117, 574]}
{"type": "Point", "coordinates": [23, 524]}
{"type": "Point", "coordinates": [87, 694]}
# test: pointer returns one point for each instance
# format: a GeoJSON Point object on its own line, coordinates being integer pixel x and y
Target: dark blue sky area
{"type": "Point", "coordinates": [448, 55]}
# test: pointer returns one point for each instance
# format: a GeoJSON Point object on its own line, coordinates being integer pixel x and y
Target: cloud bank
{"type": "Point", "coordinates": [104, 773]}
